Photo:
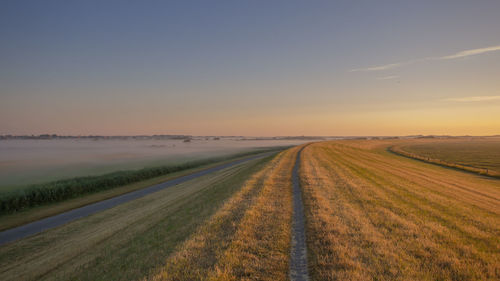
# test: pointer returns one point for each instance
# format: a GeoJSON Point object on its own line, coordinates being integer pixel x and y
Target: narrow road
{"type": "Point", "coordinates": [298, 255]}
{"type": "Point", "coordinates": [33, 228]}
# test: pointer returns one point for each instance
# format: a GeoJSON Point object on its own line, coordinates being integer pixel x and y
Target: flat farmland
{"type": "Point", "coordinates": [479, 155]}
{"type": "Point", "coordinates": [26, 162]}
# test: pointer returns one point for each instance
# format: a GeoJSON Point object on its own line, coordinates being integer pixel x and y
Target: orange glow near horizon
{"type": "Point", "coordinates": [78, 71]}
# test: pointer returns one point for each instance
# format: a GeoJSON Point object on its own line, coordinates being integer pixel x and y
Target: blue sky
{"type": "Point", "coordinates": [249, 67]}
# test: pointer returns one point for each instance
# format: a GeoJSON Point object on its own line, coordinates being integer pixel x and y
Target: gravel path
{"type": "Point", "coordinates": [298, 255]}
{"type": "Point", "coordinates": [63, 218]}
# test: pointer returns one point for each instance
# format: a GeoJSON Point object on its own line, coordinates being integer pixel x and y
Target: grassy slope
{"type": "Point", "coordinates": [61, 190]}
{"type": "Point", "coordinates": [373, 215]}
{"type": "Point", "coordinates": [35, 213]}
{"type": "Point", "coordinates": [127, 241]}
{"type": "Point", "coordinates": [247, 239]}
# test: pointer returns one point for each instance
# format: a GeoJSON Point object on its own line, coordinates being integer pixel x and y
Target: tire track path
{"type": "Point", "coordinates": [298, 255]}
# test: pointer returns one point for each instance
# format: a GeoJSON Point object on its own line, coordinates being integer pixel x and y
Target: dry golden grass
{"type": "Point", "coordinates": [39, 212]}
{"type": "Point", "coordinates": [128, 241]}
{"type": "Point", "coordinates": [372, 215]}
{"type": "Point", "coordinates": [248, 238]}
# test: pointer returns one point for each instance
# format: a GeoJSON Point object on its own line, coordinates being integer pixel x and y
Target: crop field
{"type": "Point", "coordinates": [370, 215]}
{"type": "Point", "coordinates": [479, 155]}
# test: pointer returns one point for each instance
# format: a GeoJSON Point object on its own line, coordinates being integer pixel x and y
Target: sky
{"type": "Point", "coordinates": [253, 68]}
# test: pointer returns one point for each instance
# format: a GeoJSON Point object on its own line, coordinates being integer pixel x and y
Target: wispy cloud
{"type": "Point", "coordinates": [377, 68]}
{"type": "Point", "coordinates": [472, 52]}
{"type": "Point", "coordinates": [387, 77]}
{"type": "Point", "coordinates": [457, 55]}
{"type": "Point", "coordinates": [474, 99]}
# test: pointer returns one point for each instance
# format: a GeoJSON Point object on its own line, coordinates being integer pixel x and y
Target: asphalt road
{"type": "Point", "coordinates": [35, 227]}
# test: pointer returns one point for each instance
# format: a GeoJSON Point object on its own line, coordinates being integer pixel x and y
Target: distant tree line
{"type": "Point", "coordinates": [93, 137]}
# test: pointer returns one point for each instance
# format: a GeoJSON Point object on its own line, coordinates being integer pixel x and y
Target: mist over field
{"type": "Point", "coordinates": [250, 140]}
{"type": "Point", "coordinates": [24, 162]}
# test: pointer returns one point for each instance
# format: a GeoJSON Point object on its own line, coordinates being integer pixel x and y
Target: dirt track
{"type": "Point", "coordinates": [298, 255]}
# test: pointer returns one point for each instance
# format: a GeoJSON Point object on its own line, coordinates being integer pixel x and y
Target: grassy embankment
{"type": "Point", "coordinates": [475, 155]}
{"type": "Point", "coordinates": [248, 238]}
{"type": "Point", "coordinates": [39, 201]}
{"type": "Point", "coordinates": [130, 241]}
{"type": "Point", "coordinates": [373, 215]}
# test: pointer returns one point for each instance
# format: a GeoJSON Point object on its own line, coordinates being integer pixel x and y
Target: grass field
{"type": "Point", "coordinates": [373, 215]}
{"type": "Point", "coordinates": [479, 155]}
{"type": "Point", "coordinates": [57, 191]}
{"type": "Point", "coordinates": [38, 212]}
{"type": "Point", "coordinates": [249, 238]}
{"type": "Point", "coordinates": [370, 215]}
{"type": "Point", "coordinates": [128, 241]}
